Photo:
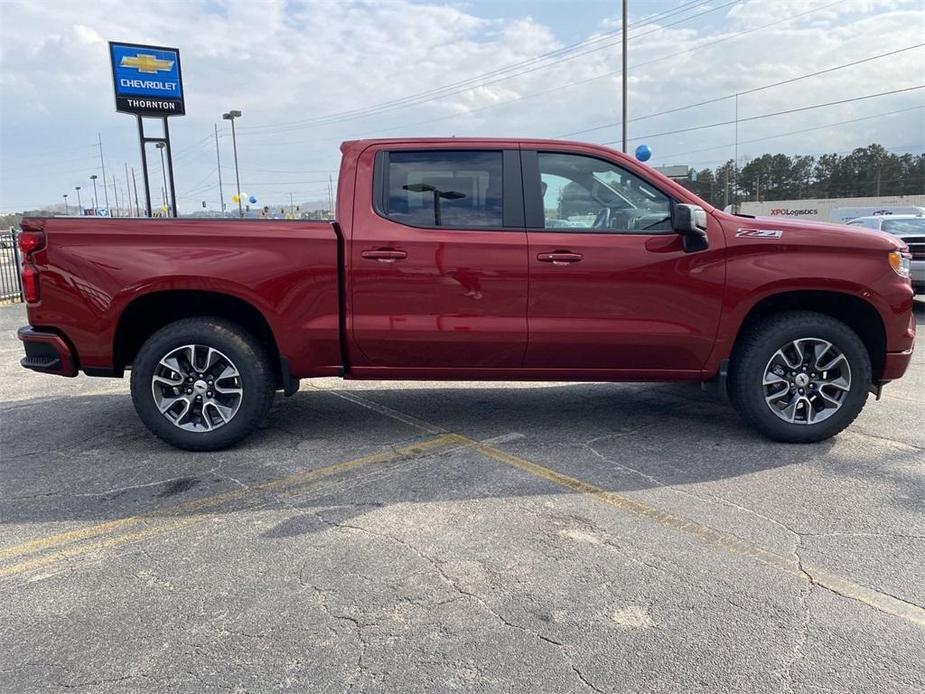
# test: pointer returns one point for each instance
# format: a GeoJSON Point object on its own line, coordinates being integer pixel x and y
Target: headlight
{"type": "Point", "coordinates": [900, 262]}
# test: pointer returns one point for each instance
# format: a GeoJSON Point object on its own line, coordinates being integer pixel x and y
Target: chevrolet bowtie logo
{"type": "Point", "coordinates": [149, 64]}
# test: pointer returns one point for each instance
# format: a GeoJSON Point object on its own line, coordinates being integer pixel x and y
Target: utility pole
{"type": "Point", "coordinates": [879, 168]}
{"type": "Point", "coordinates": [96, 203]}
{"type": "Point", "coordinates": [231, 115]}
{"type": "Point", "coordinates": [128, 190]}
{"type": "Point", "coordinates": [624, 75]}
{"type": "Point", "coordinates": [115, 193]}
{"type": "Point", "coordinates": [135, 186]}
{"type": "Point", "coordinates": [67, 210]}
{"type": "Point", "coordinates": [103, 164]}
{"type": "Point", "coordinates": [291, 207]}
{"type": "Point", "coordinates": [735, 164]}
{"type": "Point", "coordinates": [331, 196]}
{"type": "Point", "coordinates": [80, 207]}
{"type": "Point", "coordinates": [218, 167]}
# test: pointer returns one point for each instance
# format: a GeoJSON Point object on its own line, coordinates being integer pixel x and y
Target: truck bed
{"type": "Point", "coordinates": [94, 271]}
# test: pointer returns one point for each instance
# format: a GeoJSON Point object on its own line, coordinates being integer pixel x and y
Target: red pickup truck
{"type": "Point", "coordinates": [478, 259]}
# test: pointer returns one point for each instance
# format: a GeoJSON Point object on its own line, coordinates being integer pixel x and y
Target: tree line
{"type": "Point", "coordinates": [870, 171]}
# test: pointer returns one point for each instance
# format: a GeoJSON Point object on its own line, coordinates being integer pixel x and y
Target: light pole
{"type": "Point", "coordinates": [67, 210]}
{"type": "Point", "coordinates": [80, 206]}
{"type": "Point", "coordinates": [231, 115]}
{"type": "Point", "coordinates": [218, 165]}
{"type": "Point", "coordinates": [160, 146]}
{"type": "Point", "coordinates": [95, 203]}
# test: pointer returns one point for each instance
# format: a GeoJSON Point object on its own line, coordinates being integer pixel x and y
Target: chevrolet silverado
{"type": "Point", "coordinates": [474, 259]}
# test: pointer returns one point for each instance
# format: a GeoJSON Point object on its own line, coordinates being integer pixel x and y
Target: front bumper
{"type": "Point", "coordinates": [917, 275]}
{"type": "Point", "coordinates": [46, 352]}
{"type": "Point", "coordinates": [895, 365]}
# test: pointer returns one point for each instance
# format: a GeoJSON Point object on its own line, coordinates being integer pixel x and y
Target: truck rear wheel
{"type": "Point", "coordinates": [800, 377]}
{"type": "Point", "coordinates": [202, 384]}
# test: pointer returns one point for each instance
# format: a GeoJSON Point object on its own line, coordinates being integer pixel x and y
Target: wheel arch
{"type": "Point", "coordinates": [148, 313]}
{"type": "Point", "coordinates": [858, 314]}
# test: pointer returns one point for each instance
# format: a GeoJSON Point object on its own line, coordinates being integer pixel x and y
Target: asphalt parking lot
{"type": "Point", "coordinates": [429, 537]}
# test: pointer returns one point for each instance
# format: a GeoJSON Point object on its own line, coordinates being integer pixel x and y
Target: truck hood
{"type": "Point", "coordinates": [801, 231]}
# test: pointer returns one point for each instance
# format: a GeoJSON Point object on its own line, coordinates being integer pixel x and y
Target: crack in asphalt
{"type": "Point", "coordinates": [803, 634]}
{"type": "Point", "coordinates": [450, 581]}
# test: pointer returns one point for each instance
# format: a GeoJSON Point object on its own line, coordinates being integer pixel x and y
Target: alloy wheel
{"type": "Point", "coordinates": [806, 381]}
{"type": "Point", "coordinates": [197, 388]}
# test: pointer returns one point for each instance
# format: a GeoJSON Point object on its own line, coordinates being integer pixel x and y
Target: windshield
{"type": "Point", "coordinates": [904, 226]}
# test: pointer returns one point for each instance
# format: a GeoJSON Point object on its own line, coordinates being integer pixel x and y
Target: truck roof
{"type": "Point", "coordinates": [497, 141]}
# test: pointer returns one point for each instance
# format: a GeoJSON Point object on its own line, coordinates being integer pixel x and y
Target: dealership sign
{"type": "Point", "coordinates": [147, 79]}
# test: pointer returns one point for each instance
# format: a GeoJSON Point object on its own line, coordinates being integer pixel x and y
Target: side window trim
{"type": "Point", "coordinates": [534, 213]}
{"type": "Point", "coordinates": [534, 217]}
{"type": "Point", "coordinates": [512, 203]}
{"type": "Point", "coordinates": [380, 183]}
{"type": "Point", "coordinates": [512, 190]}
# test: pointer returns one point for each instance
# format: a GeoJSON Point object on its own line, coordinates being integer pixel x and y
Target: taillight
{"type": "Point", "coordinates": [30, 282]}
{"type": "Point", "coordinates": [29, 243]}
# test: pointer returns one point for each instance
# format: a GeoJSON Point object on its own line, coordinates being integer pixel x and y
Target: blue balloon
{"type": "Point", "coordinates": [253, 199]}
{"type": "Point", "coordinates": [643, 152]}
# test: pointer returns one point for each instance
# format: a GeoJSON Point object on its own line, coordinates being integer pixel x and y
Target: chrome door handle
{"type": "Point", "coordinates": [384, 255]}
{"type": "Point", "coordinates": [559, 257]}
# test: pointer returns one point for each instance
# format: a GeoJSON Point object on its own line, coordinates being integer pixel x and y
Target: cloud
{"type": "Point", "coordinates": [308, 75]}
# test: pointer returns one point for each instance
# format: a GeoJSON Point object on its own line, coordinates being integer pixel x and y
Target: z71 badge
{"type": "Point", "coordinates": [759, 233]}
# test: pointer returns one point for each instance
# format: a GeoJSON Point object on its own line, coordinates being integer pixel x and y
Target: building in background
{"type": "Point", "coordinates": [835, 209]}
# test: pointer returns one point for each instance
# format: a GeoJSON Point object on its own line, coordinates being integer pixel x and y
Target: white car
{"type": "Point", "coordinates": [911, 229]}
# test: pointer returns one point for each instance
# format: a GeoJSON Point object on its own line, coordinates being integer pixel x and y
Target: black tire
{"type": "Point", "coordinates": [248, 357]}
{"type": "Point", "coordinates": [753, 354]}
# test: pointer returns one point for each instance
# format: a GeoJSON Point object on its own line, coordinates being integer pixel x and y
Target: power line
{"type": "Point", "coordinates": [565, 85]}
{"type": "Point", "coordinates": [451, 89]}
{"type": "Point", "coordinates": [769, 115]}
{"type": "Point", "coordinates": [800, 132]}
{"type": "Point", "coordinates": [746, 91]}
{"type": "Point", "coordinates": [902, 149]}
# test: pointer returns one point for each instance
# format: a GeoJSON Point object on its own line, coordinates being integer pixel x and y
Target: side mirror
{"type": "Point", "coordinates": [691, 222]}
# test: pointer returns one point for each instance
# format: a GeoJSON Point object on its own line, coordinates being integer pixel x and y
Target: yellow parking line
{"type": "Point", "coordinates": [71, 552]}
{"type": "Point", "coordinates": [42, 543]}
{"type": "Point", "coordinates": [736, 545]}
{"type": "Point", "coordinates": [837, 584]}
{"type": "Point", "coordinates": [289, 483]}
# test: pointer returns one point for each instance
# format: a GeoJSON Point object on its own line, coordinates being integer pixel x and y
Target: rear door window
{"type": "Point", "coordinates": [455, 189]}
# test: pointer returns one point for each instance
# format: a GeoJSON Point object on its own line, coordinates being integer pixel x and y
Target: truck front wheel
{"type": "Point", "coordinates": [800, 376]}
{"type": "Point", "coordinates": [202, 384]}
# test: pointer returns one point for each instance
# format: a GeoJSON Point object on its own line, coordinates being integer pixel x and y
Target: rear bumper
{"type": "Point", "coordinates": [46, 353]}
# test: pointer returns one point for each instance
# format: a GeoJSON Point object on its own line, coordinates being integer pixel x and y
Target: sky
{"type": "Point", "coordinates": [308, 75]}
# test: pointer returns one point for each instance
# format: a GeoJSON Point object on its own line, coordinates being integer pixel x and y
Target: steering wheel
{"type": "Point", "coordinates": [602, 221]}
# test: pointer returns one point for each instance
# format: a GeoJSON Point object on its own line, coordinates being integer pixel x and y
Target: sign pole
{"type": "Point", "coordinates": [147, 83]}
{"type": "Point", "coordinates": [173, 190]}
{"type": "Point", "coordinates": [144, 167]}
